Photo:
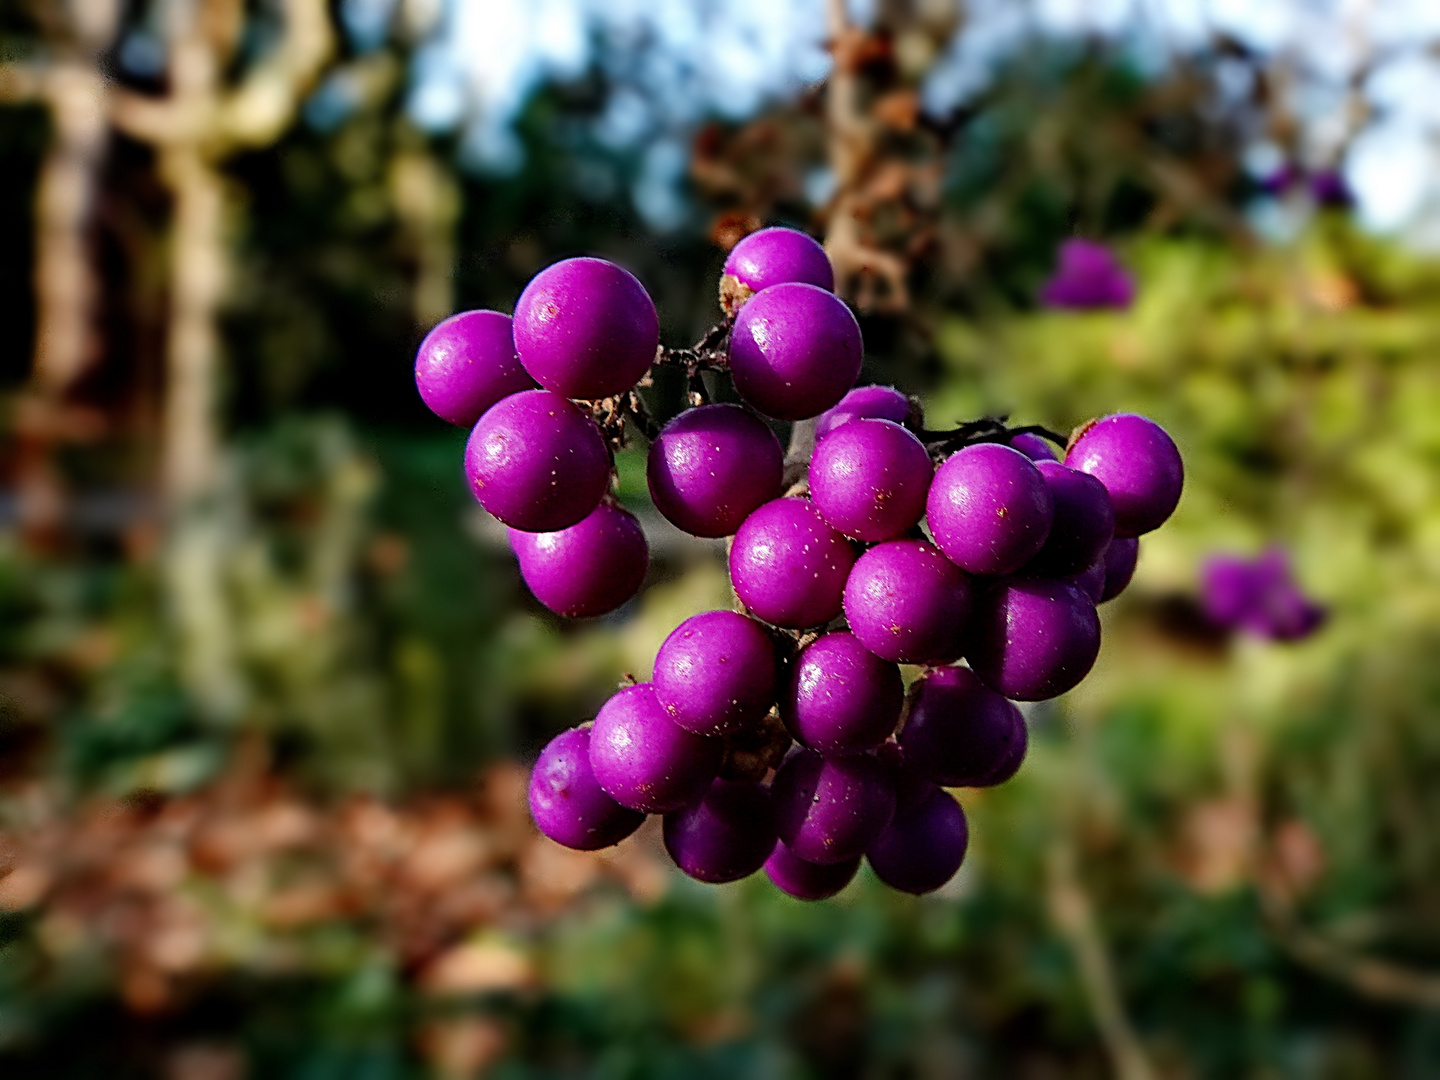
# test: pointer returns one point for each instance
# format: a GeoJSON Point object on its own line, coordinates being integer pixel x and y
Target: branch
{"type": "Point", "coordinates": [21, 83]}
{"type": "Point", "coordinates": [264, 105]}
{"type": "Point", "coordinates": [1071, 909]}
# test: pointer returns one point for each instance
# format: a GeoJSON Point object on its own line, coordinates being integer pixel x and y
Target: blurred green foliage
{"type": "Point", "coordinates": [1249, 827]}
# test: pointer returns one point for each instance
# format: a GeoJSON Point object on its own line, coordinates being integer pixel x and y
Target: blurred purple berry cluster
{"type": "Point", "coordinates": [781, 735]}
{"type": "Point", "coordinates": [1258, 596]}
{"type": "Point", "coordinates": [1088, 277]}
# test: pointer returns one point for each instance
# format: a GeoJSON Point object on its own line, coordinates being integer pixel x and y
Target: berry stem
{"type": "Point", "coordinates": [711, 352]}
{"type": "Point", "coordinates": [988, 429]}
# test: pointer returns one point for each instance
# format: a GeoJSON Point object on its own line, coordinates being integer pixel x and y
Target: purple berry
{"type": "Point", "coordinates": [566, 802]}
{"type": "Point", "coordinates": [1035, 447]}
{"type": "Point", "coordinates": [537, 462]}
{"type": "Point", "coordinates": [806, 880]}
{"type": "Point", "coordinates": [643, 759]}
{"type": "Point", "coordinates": [789, 566]}
{"type": "Point", "coordinates": [906, 602]}
{"type": "Point", "coordinates": [1082, 525]}
{"type": "Point", "coordinates": [585, 328]}
{"type": "Point", "coordinates": [1014, 758]}
{"type": "Point", "coordinates": [1033, 638]}
{"type": "Point", "coordinates": [869, 479]}
{"type": "Point", "coordinates": [922, 848]}
{"type": "Point", "coordinates": [588, 569]}
{"type": "Point", "coordinates": [1088, 276]}
{"type": "Point", "coordinates": [959, 732]}
{"type": "Point", "coordinates": [724, 836]}
{"type": "Point", "coordinates": [1138, 464]}
{"type": "Point", "coordinates": [1119, 561]}
{"type": "Point", "coordinates": [864, 402]}
{"type": "Point", "coordinates": [794, 351]}
{"type": "Point", "coordinates": [842, 698]}
{"type": "Point", "coordinates": [1091, 580]}
{"type": "Point", "coordinates": [715, 673]}
{"type": "Point", "coordinates": [829, 810]}
{"type": "Point", "coordinates": [466, 364]}
{"type": "Point", "coordinates": [711, 467]}
{"type": "Point", "coordinates": [989, 509]}
{"type": "Point", "coordinates": [775, 256]}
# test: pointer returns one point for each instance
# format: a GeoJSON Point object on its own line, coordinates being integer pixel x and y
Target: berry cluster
{"type": "Point", "coordinates": [767, 736]}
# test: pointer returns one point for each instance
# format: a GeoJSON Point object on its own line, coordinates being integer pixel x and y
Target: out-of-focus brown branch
{"type": "Point", "coordinates": [75, 92]}
{"type": "Point", "coordinates": [1073, 914]}
{"type": "Point", "coordinates": [1368, 976]}
{"type": "Point", "coordinates": [851, 145]}
{"type": "Point", "coordinates": [21, 83]}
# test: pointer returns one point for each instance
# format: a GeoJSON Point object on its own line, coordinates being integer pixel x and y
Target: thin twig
{"type": "Point", "coordinates": [1070, 906]}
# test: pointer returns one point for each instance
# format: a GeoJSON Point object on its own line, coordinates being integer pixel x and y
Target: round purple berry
{"type": "Point", "coordinates": [643, 759]}
{"type": "Point", "coordinates": [466, 364]}
{"type": "Point", "coordinates": [724, 836]}
{"type": "Point", "coordinates": [537, 462]}
{"type": "Point", "coordinates": [923, 847]}
{"type": "Point", "coordinates": [710, 467]}
{"type": "Point", "coordinates": [906, 602]}
{"type": "Point", "coordinates": [588, 569]}
{"type": "Point", "coordinates": [869, 479]}
{"type": "Point", "coordinates": [1138, 464]}
{"type": "Point", "coordinates": [829, 810]}
{"type": "Point", "coordinates": [566, 802]}
{"type": "Point", "coordinates": [864, 402]}
{"type": "Point", "coordinates": [1120, 559]}
{"type": "Point", "coordinates": [776, 255]}
{"type": "Point", "coordinates": [585, 328]}
{"type": "Point", "coordinates": [842, 698]}
{"type": "Point", "coordinates": [806, 880]}
{"type": "Point", "coordinates": [1035, 447]}
{"type": "Point", "coordinates": [788, 566]}
{"type": "Point", "coordinates": [1082, 525]}
{"type": "Point", "coordinates": [1091, 580]}
{"type": "Point", "coordinates": [794, 351]}
{"type": "Point", "coordinates": [959, 732]}
{"type": "Point", "coordinates": [715, 673]}
{"type": "Point", "coordinates": [989, 509]}
{"type": "Point", "coordinates": [1033, 638]}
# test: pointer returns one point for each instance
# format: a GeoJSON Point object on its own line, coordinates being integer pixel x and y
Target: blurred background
{"type": "Point", "coordinates": [269, 684]}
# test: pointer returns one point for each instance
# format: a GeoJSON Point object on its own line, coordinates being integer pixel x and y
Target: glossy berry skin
{"type": "Point", "coordinates": [644, 760]}
{"type": "Point", "coordinates": [566, 801]}
{"type": "Point", "coordinates": [959, 732]}
{"type": "Point", "coordinates": [906, 602]}
{"type": "Point", "coordinates": [715, 673]}
{"type": "Point", "coordinates": [922, 847]}
{"type": "Point", "coordinates": [1091, 580]}
{"type": "Point", "coordinates": [1014, 758]}
{"type": "Point", "coordinates": [806, 880]}
{"type": "Point", "coordinates": [1120, 559]}
{"type": "Point", "coordinates": [842, 698]}
{"type": "Point", "coordinates": [585, 328]}
{"type": "Point", "coordinates": [537, 462]}
{"type": "Point", "coordinates": [1033, 638]}
{"type": "Point", "coordinates": [1139, 465]}
{"type": "Point", "coordinates": [1035, 447]}
{"type": "Point", "coordinates": [829, 810]}
{"type": "Point", "coordinates": [869, 479]}
{"type": "Point", "coordinates": [777, 255]}
{"type": "Point", "coordinates": [588, 569]}
{"type": "Point", "coordinates": [724, 836]}
{"type": "Point", "coordinates": [1081, 526]}
{"type": "Point", "coordinates": [989, 509]}
{"type": "Point", "coordinates": [794, 351]}
{"type": "Point", "coordinates": [788, 566]}
{"type": "Point", "coordinates": [864, 402]}
{"type": "Point", "coordinates": [466, 364]}
{"type": "Point", "coordinates": [711, 467]}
